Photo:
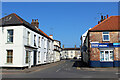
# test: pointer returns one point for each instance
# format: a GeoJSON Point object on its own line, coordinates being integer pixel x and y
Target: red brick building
{"type": "Point", "coordinates": [103, 43]}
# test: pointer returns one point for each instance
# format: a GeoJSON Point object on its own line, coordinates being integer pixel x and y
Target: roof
{"type": "Point", "coordinates": [111, 23]}
{"type": "Point", "coordinates": [71, 48]}
{"type": "Point", "coordinates": [44, 34]}
{"type": "Point", "coordinates": [57, 41]}
{"type": "Point", "coordinates": [14, 19]}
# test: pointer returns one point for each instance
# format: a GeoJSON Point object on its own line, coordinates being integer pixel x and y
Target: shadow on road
{"type": "Point", "coordinates": [79, 63]}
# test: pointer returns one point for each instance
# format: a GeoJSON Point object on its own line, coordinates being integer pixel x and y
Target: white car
{"type": "Point", "coordinates": [78, 57]}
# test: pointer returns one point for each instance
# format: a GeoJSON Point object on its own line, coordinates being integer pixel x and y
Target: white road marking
{"type": "Point", "coordinates": [117, 73]}
{"type": "Point", "coordinates": [58, 70]}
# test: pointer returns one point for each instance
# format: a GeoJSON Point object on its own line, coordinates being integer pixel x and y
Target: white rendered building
{"type": "Point", "coordinates": [22, 44]}
{"type": "Point", "coordinates": [57, 50]}
{"type": "Point", "coordinates": [70, 53]}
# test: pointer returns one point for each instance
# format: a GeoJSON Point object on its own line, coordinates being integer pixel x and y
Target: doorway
{"type": "Point", "coordinates": [35, 58]}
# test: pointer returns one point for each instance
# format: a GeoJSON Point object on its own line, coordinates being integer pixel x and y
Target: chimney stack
{"type": "Point", "coordinates": [51, 36]}
{"type": "Point", "coordinates": [63, 46]}
{"type": "Point", "coordinates": [35, 22]}
{"type": "Point", "coordinates": [75, 46]}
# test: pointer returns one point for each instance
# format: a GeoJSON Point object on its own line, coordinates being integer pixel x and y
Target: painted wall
{"type": "Point", "coordinates": [16, 46]}
{"type": "Point", "coordinates": [70, 54]}
{"type": "Point", "coordinates": [19, 49]}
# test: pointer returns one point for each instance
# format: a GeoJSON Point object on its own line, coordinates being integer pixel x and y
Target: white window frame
{"type": "Point", "coordinates": [35, 40]}
{"type": "Point", "coordinates": [108, 55]}
{"type": "Point", "coordinates": [10, 56]}
{"type": "Point", "coordinates": [45, 42]}
{"type": "Point", "coordinates": [39, 41]}
{"type": "Point", "coordinates": [10, 36]}
{"type": "Point", "coordinates": [39, 57]}
{"type": "Point", "coordinates": [103, 36]}
{"type": "Point", "coordinates": [27, 57]}
{"type": "Point", "coordinates": [28, 38]}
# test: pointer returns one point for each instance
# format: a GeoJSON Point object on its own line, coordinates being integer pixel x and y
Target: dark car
{"type": "Point", "coordinates": [75, 58]}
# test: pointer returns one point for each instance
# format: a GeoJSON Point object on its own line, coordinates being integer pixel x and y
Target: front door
{"type": "Point", "coordinates": [35, 57]}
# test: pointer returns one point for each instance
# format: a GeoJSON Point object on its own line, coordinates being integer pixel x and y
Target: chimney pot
{"type": "Point", "coordinates": [63, 46]}
{"type": "Point", "coordinates": [32, 20]}
{"type": "Point", "coordinates": [98, 22]}
{"type": "Point", "coordinates": [104, 17]}
{"type": "Point", "coordinates": [36, 20]}
{"type": "Point", "coordinates": [107, 15]}
{"type": "Point", "coordinates": [101, 18]}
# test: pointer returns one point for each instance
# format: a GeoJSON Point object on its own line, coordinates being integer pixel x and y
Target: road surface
{"type": "Point", "coordinates": [64, 70]}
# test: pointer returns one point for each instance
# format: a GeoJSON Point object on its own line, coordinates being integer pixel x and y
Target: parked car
{"type": "Point", "coordinates": [78, 57]}
{"type": "Point", "coordinates": [75, 58]}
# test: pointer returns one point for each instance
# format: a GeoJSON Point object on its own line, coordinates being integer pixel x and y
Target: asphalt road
{"type": "Point", "coordinates": [64, 70]}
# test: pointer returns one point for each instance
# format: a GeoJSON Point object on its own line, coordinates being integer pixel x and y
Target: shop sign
{"type": "Point", "coordinates": [104, 45]}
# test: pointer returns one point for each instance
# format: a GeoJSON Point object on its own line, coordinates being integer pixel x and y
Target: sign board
{"type": "Point", "coordinates": [104, 45]}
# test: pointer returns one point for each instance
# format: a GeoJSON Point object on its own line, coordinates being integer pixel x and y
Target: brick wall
{"type": "Point", "coordinates": [97, 37]}
{"type": "Point", "coordinates": [94, 54]}
{"type": "Point", "coordinates": [117, 54]}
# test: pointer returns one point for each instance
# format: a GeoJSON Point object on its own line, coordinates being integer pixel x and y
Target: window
{"type": "Point", "coordinates": [9, 56]}
{"type": "Point", "coordinates": [34, 40]}
{"type": "Point", "coordinates": [119, 36]}
{"type": "Point", "coordinates": [45, 43]}
{"type": "Point", "coordinates": [27, 57]}
{"type": "Point", "coordinates": [39, 42]}
{"type": "Point", "coordinates": [39, 57]}
{"type": "Point", "coordinates": [10, 36]}
{"type": "Point", "coordinates": [105, 36]}
{"type": "Point", "coordinates": [106, 55]}
{"type": "Point", "coordinates": [28, 38]}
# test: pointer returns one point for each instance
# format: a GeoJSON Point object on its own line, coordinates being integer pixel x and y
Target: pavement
{"type": "Point", "coordinates": [66, 69]}
{"type": "Point", "coordinates": [32, 69]}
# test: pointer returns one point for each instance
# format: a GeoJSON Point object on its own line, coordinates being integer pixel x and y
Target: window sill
{"type": "Point", "coordinates": [9, 63]}
{"type": "Point", "coordinates": [106, 61]}
{"type": "Point", "coordinates": [106, 40]}
{"type": "Point", "coordinates": [8, 43]}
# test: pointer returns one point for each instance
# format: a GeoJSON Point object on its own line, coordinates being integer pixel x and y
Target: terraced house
{"type": "Point", "coordinates": [103, 43]}
{"type": "Point", "coordinates": [23, 44]}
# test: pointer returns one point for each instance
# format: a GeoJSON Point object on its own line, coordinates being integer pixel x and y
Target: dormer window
{"type": "Point", "coordinates": [106, 36]}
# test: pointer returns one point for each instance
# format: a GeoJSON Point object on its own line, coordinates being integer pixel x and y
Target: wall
{"type": "Point", "coordinates": [16, 46]}
{"type": "Point", "coordinates": [96, 37]}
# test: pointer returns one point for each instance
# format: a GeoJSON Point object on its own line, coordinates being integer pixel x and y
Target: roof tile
{"type": "Point", "coordinates": [111, 23]}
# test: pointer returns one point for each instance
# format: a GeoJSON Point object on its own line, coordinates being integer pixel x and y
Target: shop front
{"type": "Point", "coordinates": [105, 55]}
